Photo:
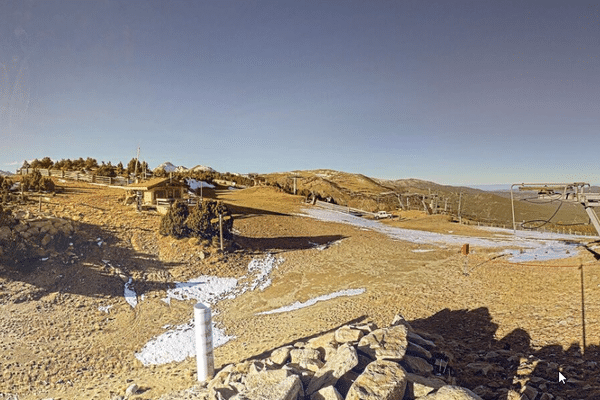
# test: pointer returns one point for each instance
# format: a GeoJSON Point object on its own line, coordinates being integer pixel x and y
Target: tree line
{"type": "Point", "coordinates": [109, 170]}
{"type": "Point", "coordinates": [90, 165]}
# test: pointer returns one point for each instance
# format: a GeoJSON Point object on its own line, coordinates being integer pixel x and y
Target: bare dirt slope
{"type": "Point", "coordinates": [55, 342]}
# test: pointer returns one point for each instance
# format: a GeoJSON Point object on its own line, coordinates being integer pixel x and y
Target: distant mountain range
{"type": "Point", "coordinates": [5, 173]}
{"type": "Point", "coordinates": [170, 167]}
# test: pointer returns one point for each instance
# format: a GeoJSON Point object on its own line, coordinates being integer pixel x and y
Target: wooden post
{"type": "Point", "coordinates": [582, 309]}
{"type": "Point", "coordinates": [221, 229]}
{"type": "Point", "coordinates": [40, 203]}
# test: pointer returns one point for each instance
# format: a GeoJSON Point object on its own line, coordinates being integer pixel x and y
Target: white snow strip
{"type": "Point", "coordinates": [130, 295]}
{"type": "Point", "coordinates": [204, 289]}
{"type": "Point", "coordinates": [194, 184]}
{"type": "Point", "coordinates": [523, 246]}
{"type": "Point", "coordinates": [324, 246]}
{"type": "Point", "coordinates": [422, 250]}
{"type": "Point", "coordinates": [297, 305]}
{"type": "Point", "coordinates": [262, 268]}
{"type": "Point", "coordinates": [105, 308]}
{"type": "Point", "coordinates": [177, 344]}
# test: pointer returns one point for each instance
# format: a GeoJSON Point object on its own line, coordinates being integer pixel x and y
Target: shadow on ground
{"type": "Point", "coordinates": [92, 262]}
{"type": "Point", "coordinates": [272, 244]}
{"type": "Point", "coordinates": [491, 367]}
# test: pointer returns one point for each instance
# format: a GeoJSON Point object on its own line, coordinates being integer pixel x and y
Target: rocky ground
{"type": "Point", "coordinates": [507, 326]}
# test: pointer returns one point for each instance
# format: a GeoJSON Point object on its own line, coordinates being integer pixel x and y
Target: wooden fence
{"type": "Point", "coordinates": [79, 176]}
{"type": "Point", "coordinates": [344, 209]}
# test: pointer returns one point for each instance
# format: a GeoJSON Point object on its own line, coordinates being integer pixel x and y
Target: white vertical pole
{"type": "Point", "coordinates": [204, 342]}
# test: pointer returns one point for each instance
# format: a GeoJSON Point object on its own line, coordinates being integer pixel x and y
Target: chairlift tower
{"type": "Point", "coordinates": [567, 192]}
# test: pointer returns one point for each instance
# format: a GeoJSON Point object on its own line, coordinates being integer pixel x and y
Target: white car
{"type": "Point", "coordinates": [383, 215]}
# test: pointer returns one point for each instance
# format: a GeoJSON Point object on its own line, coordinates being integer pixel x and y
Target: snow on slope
{"type": "Point", "coordinates": [167, 167]}
{"type": "Point", "coordinates": [523, 246]}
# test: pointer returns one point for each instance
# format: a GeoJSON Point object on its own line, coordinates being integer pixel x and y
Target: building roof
{"type": "Point", "coordinates": [151, 183]}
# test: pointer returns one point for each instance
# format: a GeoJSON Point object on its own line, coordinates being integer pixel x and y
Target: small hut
{"type": "Point", "coordinates": [157, 193]}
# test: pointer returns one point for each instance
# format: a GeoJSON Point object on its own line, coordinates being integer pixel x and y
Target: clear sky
{"type": "Point", "coordinates": [457, 92]}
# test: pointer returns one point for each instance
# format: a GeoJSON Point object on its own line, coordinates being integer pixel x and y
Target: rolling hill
{"type": "Point", "coordinates": [476, 206]}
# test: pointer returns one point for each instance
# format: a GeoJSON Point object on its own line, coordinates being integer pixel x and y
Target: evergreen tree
{"type": "Point", "coordinates": [119, 170]}
{"type": "Point", "coordinates": [203, 221]}
{"type": "Point", "coordinates": [79, 164]}
{"type": "Point", "coordinates": [91, 163]}
{"type": "Point", "coordinates": [173, 222]}
{"type": "Point", "coordinates": [131, 166]}
{"type": "Point", "coordinates": [46, 163]}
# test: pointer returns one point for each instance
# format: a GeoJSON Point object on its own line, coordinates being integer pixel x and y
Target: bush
{"type": "Point", "coordinates": [173, 222]}
{"type": "Point", "coordinates": [6, 218]}
{"type": "Point", "coordinates": [203, 221]}
{"type": "Point", "coordinates": [35, 181]}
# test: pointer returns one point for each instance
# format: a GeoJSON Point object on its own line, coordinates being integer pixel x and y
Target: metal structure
{"type": "Point", "coordinates": [567, 192]}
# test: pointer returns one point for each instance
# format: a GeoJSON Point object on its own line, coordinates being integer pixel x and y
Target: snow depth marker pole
{"type": "Point", "coordinates": [204, 342]}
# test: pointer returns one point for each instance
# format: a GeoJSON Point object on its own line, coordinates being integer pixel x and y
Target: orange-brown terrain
{"type": "Point", "coordinates": [56, 343]}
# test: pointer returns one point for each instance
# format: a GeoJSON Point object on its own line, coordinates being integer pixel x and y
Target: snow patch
{"type": "Point", "coordinates": [204, 289]}
{"type": "Point", "coordinates": [324, 246]}
{"type": "Point", "coordinates": [194, 184]}
{"type": "Point", "coordinates": [130, 295]}
{"type": "Point", "coordinates": [523, 246]}
{"type": "Point", "coordinates": [167, 167]}
{"type": "Point", "coordinates": [177, 344]}
{"type": "Point", "coordinates": [262, 268]}
{"type": "Point", "coordinates": [297, 305]}
{"type": "Point", "coordinates": [105, 309]}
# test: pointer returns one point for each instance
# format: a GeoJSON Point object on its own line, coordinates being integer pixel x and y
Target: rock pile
{"type": "Point", "coordinates": [357, 361]}
{"type": "Point", "coordinates": [42, 235]}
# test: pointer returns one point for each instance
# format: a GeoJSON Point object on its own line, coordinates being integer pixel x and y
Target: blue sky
{"type": "Point", "coordinates": [457, 92]}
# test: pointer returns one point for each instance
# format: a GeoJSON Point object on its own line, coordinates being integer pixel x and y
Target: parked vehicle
{"type": "Point", "coordinates": [383, 215]}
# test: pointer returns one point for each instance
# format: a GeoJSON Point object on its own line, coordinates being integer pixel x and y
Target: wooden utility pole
{"type": "Point", "coordinates": [137, 159]}
{"type": "Point", "coordinates": [221, 229]}
{"type": "Point", "coordinates": [459, 204]}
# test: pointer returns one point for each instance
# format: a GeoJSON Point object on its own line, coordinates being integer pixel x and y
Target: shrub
{"type": "Point", "coordinates": [173, 222]}
{"type": "Point", "coordinates": [6, 217]}
{"type": "Point", "coordinates": [203, 221]}
{"type": "Point", "coordinates": [35, 181]}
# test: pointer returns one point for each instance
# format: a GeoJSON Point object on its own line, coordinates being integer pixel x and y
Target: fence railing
{"type": "Point", "coordinates": [344, 209]}
{"type": "Point", "coordinates": [78, 176]}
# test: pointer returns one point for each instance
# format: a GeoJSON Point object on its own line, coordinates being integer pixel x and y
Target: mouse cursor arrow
{"type": "Point", "coordinates": [561, 378]}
